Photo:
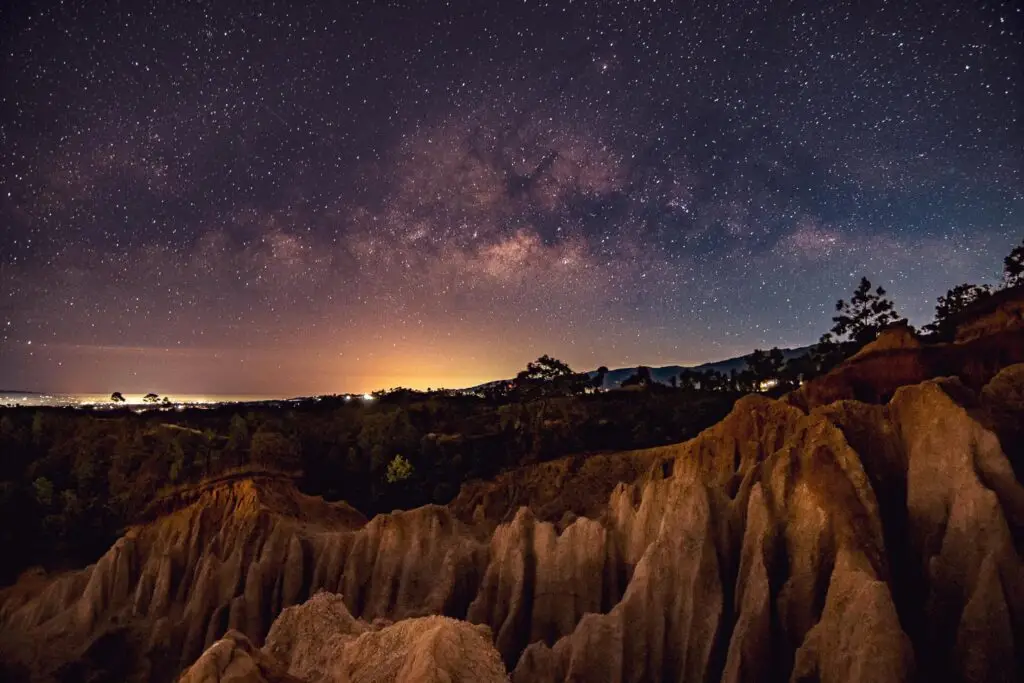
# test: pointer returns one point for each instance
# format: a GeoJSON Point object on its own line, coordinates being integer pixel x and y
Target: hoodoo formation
{"type": "Point", "coordinates": [861, 529]}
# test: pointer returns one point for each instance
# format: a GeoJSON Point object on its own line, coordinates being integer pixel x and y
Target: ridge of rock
{"type": "Point", "coordinates": [999, 312]}
{"type": "Point", "coordinates": [848, 542]}
{"type": "Point", "coordinates": [895, 360]}
{"type": "Point", "coordinates": [897, 336]}
{"type": "Point", "coordinates": [319, 641]}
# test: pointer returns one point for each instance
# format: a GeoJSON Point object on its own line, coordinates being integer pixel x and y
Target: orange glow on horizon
{"type": "Point", "coordinates": [431, 361]}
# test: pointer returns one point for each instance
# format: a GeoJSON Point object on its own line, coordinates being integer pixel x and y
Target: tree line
{"type": "Point", "coordinates": [74, 478]}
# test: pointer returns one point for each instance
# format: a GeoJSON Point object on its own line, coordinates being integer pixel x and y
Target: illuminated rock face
{"type": "Point", "coordinates": [320, 641]}
{"type": "Point", "coordinates": [854, 542]}
{"type": "Point", "coordinates": [1000, 313]}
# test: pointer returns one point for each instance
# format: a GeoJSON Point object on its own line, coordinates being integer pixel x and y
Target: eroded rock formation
{"type": "Point", "coordinates": [320, 642]}
{"type": "Point", "coordinates": [849, 542]}
{"type": "Point", "coordinates": [1000, 312]}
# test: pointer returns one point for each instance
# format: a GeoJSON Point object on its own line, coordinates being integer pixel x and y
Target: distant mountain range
{"type": "Point", "coordinates": [663, 374]}
{"type": "Point", "coordinates": [616, 377]}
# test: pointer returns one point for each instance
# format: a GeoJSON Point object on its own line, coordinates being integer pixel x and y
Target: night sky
{"type": "Point", "coordinates": [257, 197]}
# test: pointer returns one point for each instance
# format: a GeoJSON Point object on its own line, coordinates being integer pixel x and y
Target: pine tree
{"type": "Point", "coordinates": [952, 303]}
{"type": "Point", "coordinates": [1013, 266]}
{"type": "Point", "coordinates": [860, 319]}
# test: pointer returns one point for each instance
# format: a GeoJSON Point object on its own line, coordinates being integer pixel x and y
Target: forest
{"type": "Point", "coordinates": [75, 478]}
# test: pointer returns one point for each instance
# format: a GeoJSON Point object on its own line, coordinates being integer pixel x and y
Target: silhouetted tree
{"type": "Point", "coordinates": [688, 379]}
{"type": "Point", "coordinates": [640, 378]}
{"type": "Point", "coordinates": [952, 303]}
{"type": "Point", "coordinates": [151, 398]}
{"type": "Point", "coordinates": [1013, 266]}
{"type": "Point", "coordinates": [860, 319]}
{"type": "Point", "coordinates": [797, 370]}
{"type": "Point", "coordinates": [713, 380]}
{"type": "Point", "coordinates": [746, 381]}
{"type": "Point", "coordinates": [548, 376]}
{"type": "Point", "coordinates": [766, 365]}
{"type": "Point", "coordinates": [827, 354]}
{"type": "Point", "coordinates": [598, 380]}
{"type": "Point", "coordinates": [545, 368]}
{"type": "Point", "coordinates": [117, 397]}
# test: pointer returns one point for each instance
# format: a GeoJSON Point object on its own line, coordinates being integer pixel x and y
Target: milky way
{"type": "Point", "coordinates": [263, 197]}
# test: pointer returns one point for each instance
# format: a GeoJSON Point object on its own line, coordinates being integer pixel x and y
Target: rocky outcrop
{"type": "Point", "coordinates": [875, 373]}
{"type": "Point", "coordinates": [899, 336]}
{"type": "Point", "coordinates": [320, 642]}
{"type": "Point", "coordinates": [234, 659]}
{"type": "Point", "coordinates": [1002, 401]}
{"type": "Point", "coordinates": [989, 337]}
{"type": "Point", "coordinates": [844, 542]}
{"type": "Point", "coordinates": [1002, 311]}
{"type": "Point", "coordinates": [750, 586]}
{"type": "Point", "coordinates": [962, 499]}
{"type": "Point", "coordinates": [239, 554]}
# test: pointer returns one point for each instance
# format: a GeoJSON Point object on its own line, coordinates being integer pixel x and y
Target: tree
{"type": "Point", "coordinates": [952, 303]}
{"type": "Point", "coordinates": [640, 378]}
{"type": "Point", "coordinates": [548, 376]}
{"type": "Point", "coordinates": [798, 369]}
{"type": "Point", "coordinates": [1013, 266]}
{"type": "Point", "coordinates": [151, 397]}
{"type": "Point", "coordinates": [766, 365]}
{"type": "Point", "coordinates": [688, 379]}
{"type": "Point", "coordinates": [384, 433]}
{"type": "Point", "coordinates": [117, 397]}
{"type": "Point", "coordinates": [399, 469]}
{"type": "Point", "coordinates": [860, 319]}
{"type": "Point", "coordinates": [598, 380]}
{"type": "Point", "coordinates": [713, 380]}
{"type": "Point", "coordinates": [238, 439]}
{"type": "Point", "coordinates": [209, 452]}
{"type": "Point", "coordinates": [825, 355]}
{"type": "Point", "coordinates": [745, 381]}
{"type": "Point", "coordinates": [274, 450]}
{"type": "Point", "coordinates": [176, 456]}
{"type": "Point", "coordinates": [545, 368]}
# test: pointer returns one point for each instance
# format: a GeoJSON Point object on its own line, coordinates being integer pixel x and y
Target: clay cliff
{"type": "Point", "coordinates": [321, 641]}
{"type": "Point", "coordinates": [898, 359]}
{"type": "Point", "coordinates": [844, 541]}
{"type": "Point", "coordinates": [1001, 312]}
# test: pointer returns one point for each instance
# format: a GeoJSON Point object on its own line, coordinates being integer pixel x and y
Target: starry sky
{"type": "Point", "coordinates": [287, 198]}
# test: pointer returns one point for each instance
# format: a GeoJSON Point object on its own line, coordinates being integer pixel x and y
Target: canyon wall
{"type": "Point", "coordinates": [850, 541]}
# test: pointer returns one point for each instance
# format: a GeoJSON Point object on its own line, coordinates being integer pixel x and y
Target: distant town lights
{"type": "Point", "coordinates": [367, 397]}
